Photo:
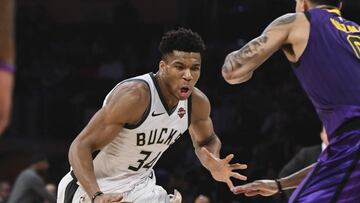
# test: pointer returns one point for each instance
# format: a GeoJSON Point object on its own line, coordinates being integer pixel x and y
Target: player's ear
{"type": "Point", "coordinates": [305, 5]}
{"type": "Point", "coordinates": [299, 6]}
{"type": "Point", "coordinates": [162, 65]}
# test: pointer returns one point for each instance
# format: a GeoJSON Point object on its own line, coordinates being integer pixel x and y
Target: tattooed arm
{"type": "Point", "coordinates": [239, 65]}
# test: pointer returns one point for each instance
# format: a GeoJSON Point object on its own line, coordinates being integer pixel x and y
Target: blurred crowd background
{"type": "Point", "coordinates": [70, 53]}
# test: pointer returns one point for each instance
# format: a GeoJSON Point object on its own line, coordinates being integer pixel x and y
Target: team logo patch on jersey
{"type": "Point", "coordinates": [181, 112]}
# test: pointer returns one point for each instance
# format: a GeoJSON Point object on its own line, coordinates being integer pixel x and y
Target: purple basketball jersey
{"type": "Point", "coordinates": [329, 68]}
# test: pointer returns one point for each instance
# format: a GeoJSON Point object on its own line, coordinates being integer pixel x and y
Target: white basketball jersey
{"type": "Point", "coordinates": [136, 149]}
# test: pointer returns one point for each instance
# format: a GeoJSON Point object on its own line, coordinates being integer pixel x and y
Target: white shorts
{"type": "Point", "coordinates": [143, 190]}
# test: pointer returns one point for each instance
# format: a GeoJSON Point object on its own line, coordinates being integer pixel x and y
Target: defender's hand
{"type": "Point", "coordinates": [259, 187]}
{"type": "Point", "coordinates": [220, 169]}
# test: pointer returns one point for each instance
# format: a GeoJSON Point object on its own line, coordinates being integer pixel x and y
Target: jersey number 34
{"type": "Point", "coordinates": [141, 162]}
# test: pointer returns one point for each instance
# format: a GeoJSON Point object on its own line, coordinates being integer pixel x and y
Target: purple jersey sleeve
{"type": "Point", "coordinates": [329, 68]}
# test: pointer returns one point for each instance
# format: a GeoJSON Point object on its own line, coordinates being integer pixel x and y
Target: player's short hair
{"type": "Point", "coordinates": [181, 40]}
{"type": "Point", "coordinates": [335, 3]}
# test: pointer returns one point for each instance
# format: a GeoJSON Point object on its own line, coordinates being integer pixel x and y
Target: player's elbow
{"type": "Point", "coordinates": [230, 77]}
{"type": "Point", "coordinates": [79, 149]}
{"type": "Point", "coordinates": [71, 152]}
{"type": "Point", "coordinates": [74, 150]}
{"type": "Point", "coordinates": [246, 77]}
{"type": "Point", "coordinates": [233, 78]}
{"type": "Point", "coordinates": [227, 75]}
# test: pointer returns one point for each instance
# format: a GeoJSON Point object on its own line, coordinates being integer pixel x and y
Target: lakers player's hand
{"type": "Point", "coordinates": [259, 187]}
{"type": "Point", "coordinates": [105, 198]}
{"type": "Point", "coordinates": [221, 169]}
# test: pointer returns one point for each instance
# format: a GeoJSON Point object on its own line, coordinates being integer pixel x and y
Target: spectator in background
{"type": "Point", "coordinates": [4, 191]}
{"type": "Point", "coordinates": [202, 199]}
{"type": "Point", "coordinates": [29, 186]}
{"type": "Point", "coordinates": [305, 157]}
{"type": "Point", "coordinates": [7, 60]}
{"type": "Point", "coordinates": [51, 188]}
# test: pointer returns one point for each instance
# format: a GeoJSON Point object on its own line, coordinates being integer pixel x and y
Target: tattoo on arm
{"type": "Point", "coordinates": [250, 50]}
{"type": "Point", "coordinates": [236, 60]}
{"type": "Point", "coordinates": [283, 20]}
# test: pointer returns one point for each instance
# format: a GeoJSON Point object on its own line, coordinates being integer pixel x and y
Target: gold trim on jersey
{"type": "Point", "coordinates": [334, 10]}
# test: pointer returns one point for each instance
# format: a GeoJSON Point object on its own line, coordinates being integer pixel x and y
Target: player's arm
{"type": "Point", "coordinates": [207, 145]}
{"type": "Point", "coordinates": [201, 126]}
{"type": "Point", "coordinates": [6, 85]}
{"type": "Point", "coordinates": [240, 65]}
{"type": "Point", "coordinates": [293, 180]}
{"type": "Point", "coordinates": [7, 55]}
{"type": "Point", "coordinates": [270, 187]}
{"type": "Point", "coordinates": [125, 105]}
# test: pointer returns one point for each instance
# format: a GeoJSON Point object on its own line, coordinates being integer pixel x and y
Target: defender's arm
{"type": "Point", "coordinates": [270, 187]}
{"type": "Point", "coordinates": [239, 65]}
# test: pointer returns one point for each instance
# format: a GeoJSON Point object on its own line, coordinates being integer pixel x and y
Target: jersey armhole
{"type": "Point", "coordinates": [146, 113]}
{"type": "Point", "coordinates": [307, 15]}
{"type": "Point", "coordinates": [297, 63]}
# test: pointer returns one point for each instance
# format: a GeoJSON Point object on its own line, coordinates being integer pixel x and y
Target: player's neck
{"type": "Point", "coordinates": [171, 101]}
{"type": "Point", "coordinates": [326, 7]}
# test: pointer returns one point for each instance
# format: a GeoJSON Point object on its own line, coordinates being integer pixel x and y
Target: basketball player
{"type": "Point", "coordinates": [140, 118]}
{"type": "Point", "coordinates": [7, 60]}
{"type": "Point", "coordinates": [324, 49]}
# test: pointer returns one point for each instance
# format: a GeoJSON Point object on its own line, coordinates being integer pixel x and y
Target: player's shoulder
{"type": "Point", "coordinates": [128, 101]}
{"type": "Point", "coordinates": [200, 101]}
{"type": "Point", "coordinates": [133, 91]}
{"type": "Point", "coordinates": [198, 96]}
{"type": "Point", "coordinates": [288, 19]}
{"type": "Point", "coordinates": [288, 24]}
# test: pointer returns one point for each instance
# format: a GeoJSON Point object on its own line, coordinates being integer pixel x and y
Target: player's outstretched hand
{"type": "Point", "coordinates": [259, 187]}
{"type": "Point", "coordinates": [221, 169]}
{"type": "Point", "coordinates": [176, 197]}
{"type": "Point", "coordinates": [105, 198]}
